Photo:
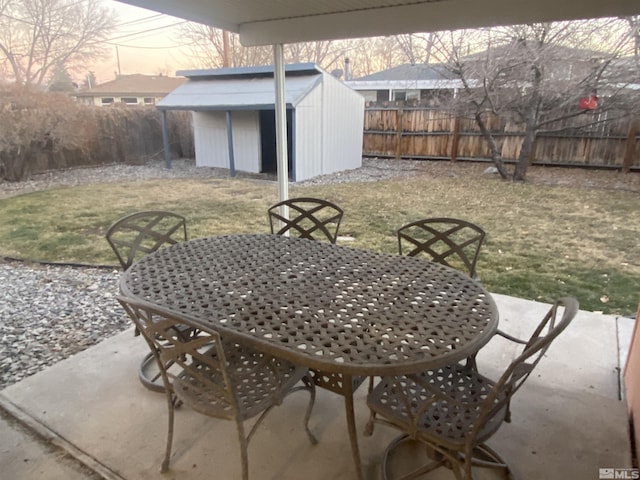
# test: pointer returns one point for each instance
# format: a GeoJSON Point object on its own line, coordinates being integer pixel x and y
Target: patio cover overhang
{"type": "Point", "coordinates": [261, 22]}
{"type": "Point", "coordinates": [276, 22]}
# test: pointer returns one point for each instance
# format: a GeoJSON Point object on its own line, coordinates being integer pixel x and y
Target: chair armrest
{"type": "Point", "coordinates": [510, 337]}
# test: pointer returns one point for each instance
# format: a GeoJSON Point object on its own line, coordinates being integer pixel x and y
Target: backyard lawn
{"type": "Point", "coordinates": [545, 239]}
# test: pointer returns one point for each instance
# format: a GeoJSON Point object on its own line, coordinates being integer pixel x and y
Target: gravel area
{"type": "Point", "coordinates": [372, 170]}
{"type": "Point", "coordinates": [49, 312]}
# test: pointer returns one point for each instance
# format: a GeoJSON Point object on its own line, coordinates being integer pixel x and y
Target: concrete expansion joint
{"type": "Point", "coordinates": [42, 434]}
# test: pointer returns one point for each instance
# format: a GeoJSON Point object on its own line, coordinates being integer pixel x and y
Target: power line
{"type": "Point", "coordinates": [140, 20]}
{"type": "Point", "coordinates": [143, 31]}
{"type": "Point", "coordinates": [152, 48]}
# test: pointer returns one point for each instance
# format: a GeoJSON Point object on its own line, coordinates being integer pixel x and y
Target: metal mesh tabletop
{"type": "Point", "coordinates": [320, 305]}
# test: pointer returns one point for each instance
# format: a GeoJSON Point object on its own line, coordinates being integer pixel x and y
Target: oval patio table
{"type": "Point", "coordinates": [340, 310]}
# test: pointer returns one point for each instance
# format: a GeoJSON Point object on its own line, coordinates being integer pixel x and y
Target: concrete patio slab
{"type": "Point", "coordinates": [22, 455]}
{"type": "Point", "coordinates": [568, 420]}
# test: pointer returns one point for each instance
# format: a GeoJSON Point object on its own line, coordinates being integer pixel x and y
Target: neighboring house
{"type": "Point", "coordinates": [413, 83]}
{"type": "Point", "coordinates": [136, 89]}
{"type": "Point", "coordinates": [584, 75]}
{"type": "Point", "coordinates": [431, 84]}
{"type": "Point", "coordinates": [234, 119]}
{"type": "Point", "coordinates": [561, 63]}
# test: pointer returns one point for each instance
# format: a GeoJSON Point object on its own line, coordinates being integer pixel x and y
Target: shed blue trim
{"type": "Point", "coordinates": [214, 108]}
{"type": "Point", "coordinates": [260, 71]}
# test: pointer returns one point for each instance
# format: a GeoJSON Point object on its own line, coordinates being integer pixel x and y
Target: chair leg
{"type": "Point", "coordinates": [150, 375]}
{"type": "Point", "coordinates": [167, 453]}
{"type": "Point", "coordinates": [312, 399]}
{"type": "Point", "coordinates": [439, 462]}
{"type": "Point", "coordinates": [368, 428]}
{"type": "Point", "coordinates": [244, 456]}
{"type": "Point", "coordinates": [484, 456]}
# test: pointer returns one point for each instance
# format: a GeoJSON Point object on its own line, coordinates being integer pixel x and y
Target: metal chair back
{"type": "Point", "coordinates": [310, 218]}
{"type": "Point", "coordinates": [449, 241]}
{"type": "Point", "coordinates": [522, 366]}
{"type": "Point", "coordinates": [144, 232]}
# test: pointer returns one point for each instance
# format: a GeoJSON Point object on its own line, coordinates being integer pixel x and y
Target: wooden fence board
{"type": "Point", "coordinates": [427, 133]}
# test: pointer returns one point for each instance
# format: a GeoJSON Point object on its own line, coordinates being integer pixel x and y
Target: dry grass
{"type": "Point", "coordinates": [561, 234]}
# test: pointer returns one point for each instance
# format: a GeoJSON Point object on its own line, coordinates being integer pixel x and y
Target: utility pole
{"type": "Point", "coordinates": [118, 60]}
{"type": "Point", "coordinates": [225, 49]}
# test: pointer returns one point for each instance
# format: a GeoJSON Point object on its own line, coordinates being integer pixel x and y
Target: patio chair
{"type": "Point", "coordinates": [313, 219]}
{"type": "Point", "coordinates": [144, 232]}
{"type": "Point", "coordinates": [310, 218]}
{"type": "Point", "coordinates": [218, 377]}
{"type": "Point", "coordinates": [135, 236]}
{"type": "Point", "coordinates": [449, 241]}
{"type": "Point", "coordinates": [454, 410]}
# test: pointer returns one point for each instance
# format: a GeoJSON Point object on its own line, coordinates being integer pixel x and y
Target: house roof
{"type": "Point", "coordinates": [262, 22]}
{"type": "Point", "coordinates": [411, 72]}
{"type": "Point", "coordinates": [245, 88]}
{"type": "Point", "coordinates": [552, 52]}
{"type": "Point", "coordinates": [136, 84]}
{"type": "Point", "coordinates": [408, 77]}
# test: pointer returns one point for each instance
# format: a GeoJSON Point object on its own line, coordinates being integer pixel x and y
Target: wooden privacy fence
{"type": "Point", "coordinates": [419, 133]}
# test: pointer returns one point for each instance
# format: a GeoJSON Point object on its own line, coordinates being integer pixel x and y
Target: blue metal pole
{"type": "Point", "coordinates": [165, 140]}
{"type": "Point", "coordinates": [232, 162]}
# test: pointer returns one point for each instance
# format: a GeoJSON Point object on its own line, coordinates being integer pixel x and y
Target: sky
{"type": "Point", "coordinates": [144, 42]}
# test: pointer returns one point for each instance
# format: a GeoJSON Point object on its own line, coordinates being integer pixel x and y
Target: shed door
{"type": "Point", "coordinates": [268, 141]}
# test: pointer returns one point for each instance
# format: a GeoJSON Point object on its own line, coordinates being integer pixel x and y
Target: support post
{"type": "Point", "coordinates": [165, 140]}
{"type": "Point", "coordinates": [281, 123]}
{"type": "Point", "coordinates": [232, 162]}
{"type": "Point", "coordinates": [281, 126]}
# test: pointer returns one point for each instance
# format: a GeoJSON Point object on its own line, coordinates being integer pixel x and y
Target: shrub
{"type": "Point", "coordinates": [49, 131]}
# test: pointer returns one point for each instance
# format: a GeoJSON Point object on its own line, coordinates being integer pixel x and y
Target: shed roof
{"type": "Point", "coordinates": [255, 72]}
{"type": "Point", "coordinates": [247, 88]}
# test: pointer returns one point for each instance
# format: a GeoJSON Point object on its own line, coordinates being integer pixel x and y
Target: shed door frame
{"type": "Point", "coordinates": [268, 154]}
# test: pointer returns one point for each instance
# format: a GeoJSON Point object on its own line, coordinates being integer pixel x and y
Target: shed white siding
{"type": "Point", "coordinates": [246, 140]}
{"type": "Point", "coordinates": [343, 123]}
{"type": "Point", "coordinates": [210, 139]}
{"type": "Point", "coordinates": [211, 145]}
{"type": "Point", "coordinates": [308, 136]}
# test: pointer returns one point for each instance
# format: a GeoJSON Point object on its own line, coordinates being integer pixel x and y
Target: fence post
{"type": "Point", "coordinates": [456, 139]}
{"type": "Point", "coordinates": [630, 146]}
{"type": "Point", "coordinates": [399, 132]}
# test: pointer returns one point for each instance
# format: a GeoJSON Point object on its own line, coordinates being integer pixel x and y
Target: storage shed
{"type": "Point", "coordinates": [234, 119]}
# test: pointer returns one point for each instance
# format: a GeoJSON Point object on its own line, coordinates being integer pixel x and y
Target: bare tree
{"type": "Point", "coordinates": [214, 48]}
{"type": "Point", "coordinates": [634, 31]}
{"type": "Point", "coordinates": [361, 62]}
{"type": "Point", "coordinates": [418, 48]}
{"type": "Point", "coordinates": [534, 76]}
{"type": "Point", "coordinates": [316, 52]}
{"type": "Point", "coordinates": [36, 35]}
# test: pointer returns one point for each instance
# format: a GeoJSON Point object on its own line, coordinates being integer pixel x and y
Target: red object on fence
{"type": "Point", "coordinates": [588, 103]}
